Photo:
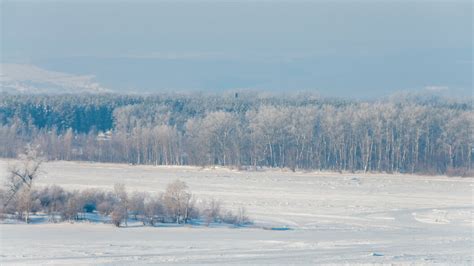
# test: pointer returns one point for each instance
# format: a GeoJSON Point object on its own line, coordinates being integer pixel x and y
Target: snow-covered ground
{"type": "Point", "coordinates": [335, 218]}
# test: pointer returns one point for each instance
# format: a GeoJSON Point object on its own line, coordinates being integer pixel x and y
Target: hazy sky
{"type": "Point", "coordinates": [339, 48]}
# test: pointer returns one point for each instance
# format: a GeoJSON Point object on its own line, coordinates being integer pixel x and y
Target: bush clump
{"type": "Point", "coordinates": [176, 205]}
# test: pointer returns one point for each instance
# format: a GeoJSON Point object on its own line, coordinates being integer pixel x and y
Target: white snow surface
{"type": "Point", "coordinates": [334, 219]}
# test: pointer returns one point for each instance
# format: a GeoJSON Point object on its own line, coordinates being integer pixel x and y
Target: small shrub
{"type": "Point", "coordinates": [117, 216]}
{"type": "Point", "coordinates": [212, 212]}
{"type": "Point", "coordinates": [236, 219]}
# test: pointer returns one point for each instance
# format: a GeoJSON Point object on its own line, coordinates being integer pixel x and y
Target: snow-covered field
{"type": "Point", "coordinates": [335, 218]}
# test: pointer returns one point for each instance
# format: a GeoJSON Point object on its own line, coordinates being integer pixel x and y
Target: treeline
{"type": "Point", "coordinates": [175, 205]}
{"type": "Point", "coordinates": [399, 134]}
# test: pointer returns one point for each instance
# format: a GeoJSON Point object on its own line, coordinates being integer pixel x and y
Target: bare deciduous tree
{"type": "Point", "coordinates": [137, 205]}
{"type": "Point", "coordinates": [177, 200]}
{"type": "Point", "coordinates": [72, 207]}
{"type": "Point", "coordinates": [120, 212]}
{"type": "Point", "coordinates": [155, 211]}
{"type": "Point", "coordinates": [21, 178]}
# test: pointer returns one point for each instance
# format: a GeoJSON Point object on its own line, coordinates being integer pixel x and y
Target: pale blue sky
{"type": "Point", "coordinates": [342, 48]}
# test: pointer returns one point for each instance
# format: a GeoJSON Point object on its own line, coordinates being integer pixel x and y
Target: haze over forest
{"type": "Point", "coordinates": [361, 49]}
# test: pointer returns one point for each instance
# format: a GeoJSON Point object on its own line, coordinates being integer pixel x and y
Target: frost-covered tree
{"type": "Point", "coordinates": [178, 201]}
{"type": "Point", "coordinates": [412, 133]}
{"type": "Point", "coordinates": [21, 179]}
{"type": "Point", "coordinates": [121, 208]}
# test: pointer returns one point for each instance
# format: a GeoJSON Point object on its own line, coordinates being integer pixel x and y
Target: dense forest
{"type": "Point", "coordinates": [408, 134]}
